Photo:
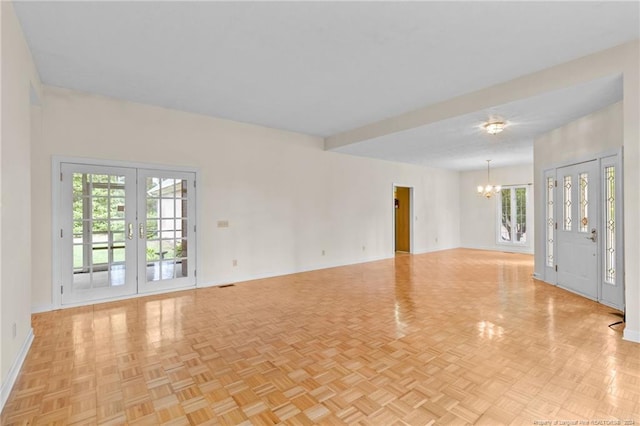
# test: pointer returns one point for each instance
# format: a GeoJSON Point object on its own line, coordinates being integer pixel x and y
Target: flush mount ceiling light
{"type": "Point", "coordinates": [494, 127]}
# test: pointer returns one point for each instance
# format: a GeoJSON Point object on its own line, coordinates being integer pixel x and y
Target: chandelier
{"type": "Point", "coordinates": [488, 190]}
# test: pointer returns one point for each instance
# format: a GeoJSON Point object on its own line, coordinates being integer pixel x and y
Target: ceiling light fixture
{"type": "Point", "coordinates": [494, 127]}
{"type": "Point", "coordinates": [488, 190]}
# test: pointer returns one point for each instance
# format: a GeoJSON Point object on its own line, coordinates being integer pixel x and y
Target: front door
{"type": "Point", "coordinates": [578, 233]}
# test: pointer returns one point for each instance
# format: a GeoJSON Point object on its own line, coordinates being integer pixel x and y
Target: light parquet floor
{"type": "Point", "coordinates": [454, 337]}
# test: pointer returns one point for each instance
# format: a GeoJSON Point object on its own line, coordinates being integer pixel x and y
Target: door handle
{"type": "Point", "coordinates": [130, 232]}
{"type": "Point", "coordinates": [141, 231]}
{"type": "Point", "coordinates": [594, 235]}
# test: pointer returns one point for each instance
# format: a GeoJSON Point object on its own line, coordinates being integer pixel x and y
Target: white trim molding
{"type": "Point", "coordinates": [37, 309]}
{"type": "Point", "coordinates": [631, 335]}
{"type": "Point", "coordinates": [12, 376]}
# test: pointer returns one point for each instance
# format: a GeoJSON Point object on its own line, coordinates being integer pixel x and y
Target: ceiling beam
{"type": "Point", "coordinates": [591, 67]}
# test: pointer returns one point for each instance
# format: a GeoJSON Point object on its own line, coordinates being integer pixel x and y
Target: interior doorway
{"type": "Point", "coordinates": [402, 218]}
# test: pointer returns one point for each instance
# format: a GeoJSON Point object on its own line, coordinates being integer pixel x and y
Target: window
{"type": "Point", "coordinates": [512, 215]}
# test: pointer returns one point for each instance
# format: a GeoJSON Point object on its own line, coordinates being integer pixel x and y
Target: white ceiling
{"type": "Point", "coordinates": [461, 143]}
{"type": "Point", "coordinates": [322, 68]}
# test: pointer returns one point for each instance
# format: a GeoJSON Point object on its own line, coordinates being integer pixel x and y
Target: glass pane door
{"type": "Point", "coordinates": [98, 259]}
{"type": "Point", "coordinates": [166, 230]}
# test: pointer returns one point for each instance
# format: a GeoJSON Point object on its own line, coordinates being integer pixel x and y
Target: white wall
{"type": "Point", "coordinates": [478, 216]}
{"type": "Point", "coordinates": [18, 75]}
{"type": "Point", "coordinates": [582, 138]}
{"type": "Point", "coordinates": [286, 199]}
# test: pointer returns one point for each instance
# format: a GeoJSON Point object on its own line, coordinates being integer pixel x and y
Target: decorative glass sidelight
{"type": "Point", "coordinates": [550, 220]}
{"type": "Point", "coordinates": [610, 225]}
{"type": "Point", "coordinates": [566, 204]}
{"type": "Point", "coordinates": [583, 178]}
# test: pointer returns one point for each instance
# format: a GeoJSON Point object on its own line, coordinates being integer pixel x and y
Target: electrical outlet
{"type": "Point", "coordinates": [14, 330]}
{"type": "Point", "coordinates": [234, 262]}
{"type": "Point", "coordinates": [436, 239]}
{"type": "Point", "coordinates": [364, 248]}
{"type": "Point", "coordinates": [223, 224]}
{"type": "Point", "coordinates": [323, 252]}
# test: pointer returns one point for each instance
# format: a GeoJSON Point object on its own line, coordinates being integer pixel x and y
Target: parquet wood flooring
{"type": "Point", "coordinates": [453, 337]}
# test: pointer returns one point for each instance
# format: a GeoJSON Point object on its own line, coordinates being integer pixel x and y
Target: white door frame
{"type": "Point", "coordinates": [411, 216]}
{"type": "Point", "coordinates": [56, 247]}
{"type": "Point", "coordinates": [609, 157]}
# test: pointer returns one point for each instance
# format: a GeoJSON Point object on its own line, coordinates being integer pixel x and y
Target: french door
{"type": "Point", "coordinates": [124, 231]}
{"type": "Point", "coordinates": [166, 230]}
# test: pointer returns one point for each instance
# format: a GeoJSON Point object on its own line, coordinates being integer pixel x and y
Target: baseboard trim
{"type": "Point", "coordinates": [501, 248]}
{"type": "Point", "coordinates": [37, 309]}
{"type": "Point", "coordinates": [12, 376]}
{"type": "Point", "coordinates": [274, 274]}
{"type": "Point", "coordinates": [631, 335]}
